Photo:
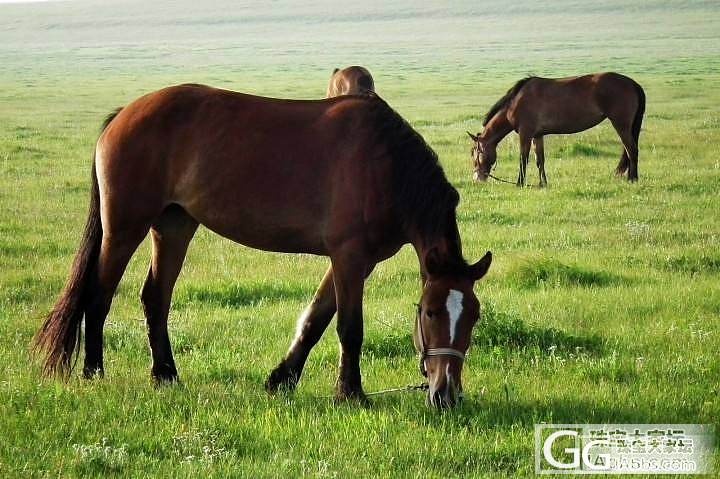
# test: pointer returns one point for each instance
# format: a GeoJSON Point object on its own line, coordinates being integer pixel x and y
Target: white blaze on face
{"type": "Point", "coordinates": [454, 307]}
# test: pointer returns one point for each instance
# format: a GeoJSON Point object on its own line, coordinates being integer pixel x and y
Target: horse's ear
{"type": "Point", "coordinates": [433, 262]}
{"type": "Point", "coordinates": [335, 70]}
{"type": "Point", "coordinates": [474, 137]}
{"type": "Point", "coordinates": [479, 269]}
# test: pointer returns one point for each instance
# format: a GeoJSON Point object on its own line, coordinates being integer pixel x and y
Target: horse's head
{"type": "Point", "coordinates": [447, 312]}
{"type": "Point", "coordinates": [483, 157]}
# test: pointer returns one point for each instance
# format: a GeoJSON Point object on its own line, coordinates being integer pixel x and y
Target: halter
{"type": "Point", "coordinates": [425, 352]}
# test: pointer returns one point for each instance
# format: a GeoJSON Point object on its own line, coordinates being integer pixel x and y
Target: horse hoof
{"type": "Point", "coordinates": [281, 378]}
{"type": "Point", "coordinates": [351, 395]}
{"type": "Point", "coordinates": [164, 375]}
{"type": "Point", "coordinates": [93, 372]}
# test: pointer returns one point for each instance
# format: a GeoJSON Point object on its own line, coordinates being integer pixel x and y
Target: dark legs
{"type": "Point", "coordinates": [116, 250]}
{"type": "Point", "coordinates": [525, 142]}
{"type": "Point", "coordinates": [310, 328]}
{"type": "Point", "coordinates": [629, 159]}
{"type": "Point", "coordinates": [540, 159]}
{"type": "Point", "coordinates": [349, 273]}
{"type": "Point", "coordinates": [622, 166]}
{"type": "Point", "coordinates": [171, 235]}
{"type": "Point", "coordinates": [341, 291]}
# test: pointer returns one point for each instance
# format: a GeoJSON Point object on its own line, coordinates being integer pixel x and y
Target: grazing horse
{"type": "Point", "coordinates": [535, 107]}
{"type": "Point", "coordinates": [346, 178]}
{"type": "Point", "coordinates": [350, 81]}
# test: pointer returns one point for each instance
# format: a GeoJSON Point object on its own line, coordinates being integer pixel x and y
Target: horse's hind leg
{"type": "Point", "coordinates": [310, 328]}
{"type": "Point", "coordinates": [540, 159]}
{"type": "Point", "coordinates": [622, 166]}
{"type": "Point", "coordinates": [171, 235]}
{"type": "Point", "coordinates": [629, 160]}
{"type": "Point", "coordinates": [115, 252]}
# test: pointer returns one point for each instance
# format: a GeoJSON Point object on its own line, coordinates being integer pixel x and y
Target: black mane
{"type": "Point", "coordinates": [505, 100]}
{"type": "Point", "coordinates": [423, 197]}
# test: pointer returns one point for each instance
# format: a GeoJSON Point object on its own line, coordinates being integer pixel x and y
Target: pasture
{"type": "Point", "coordinates": [602, 303]}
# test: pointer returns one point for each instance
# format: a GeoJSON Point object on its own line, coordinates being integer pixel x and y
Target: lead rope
{"type": "Point", "coordinates": [502, 180]}
{"type": "Point", "coordinates": [499, 179]}
{"type": "Point", "coordinates": [424, 353]}
{"type": "Point", "coordinates": [409, 388]}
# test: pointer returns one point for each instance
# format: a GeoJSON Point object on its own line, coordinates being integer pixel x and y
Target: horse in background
{"type": "Point", "coordinates": [535, 107]}
{"type": "Point", "coordinates": [353, 80]}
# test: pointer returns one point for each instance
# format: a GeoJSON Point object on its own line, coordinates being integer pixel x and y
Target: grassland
{"type": "Point", "coordinates": [602, 304]}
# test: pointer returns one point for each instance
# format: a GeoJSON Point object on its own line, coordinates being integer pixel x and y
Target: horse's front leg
{"type": "Point", "coordinates": [350, 269]}
{"type": "Point", "coordinates": [525, 143]}
{"type": "Point", "coordinates": [310, 328]}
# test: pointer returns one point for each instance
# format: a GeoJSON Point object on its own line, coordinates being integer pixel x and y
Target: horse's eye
{"type": "Point", "coordinates": [429, 314]}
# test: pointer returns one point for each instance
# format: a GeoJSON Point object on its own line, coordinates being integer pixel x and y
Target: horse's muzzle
{"type": "Point", "coordinates": [480, 176]}
{"type": "Point", "coordinates": [445, 395]}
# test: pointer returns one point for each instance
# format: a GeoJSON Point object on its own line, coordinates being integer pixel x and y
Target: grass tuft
{"type": "Point", "coordinates": [547, 272]}
{"type": "Point", "coordinates": [498, 328]}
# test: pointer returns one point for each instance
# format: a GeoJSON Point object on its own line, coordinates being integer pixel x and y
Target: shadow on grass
{"type": "Point", "coordinates": [541, 272]}
{"type": "Point", "coordinates": [234, 295]}
{"type": "Point", "coordinates": [599, 194]}
{"type": "Point", "coordinates": [693, 188]}
{"type": "Point", "coordinates": [390, 346]}
{"type": "Point", "coordinates": [582, 149]}
{"type": "Point", "coordinates": [490, 217]}
{"type": "Point", "coordinates": [491, 412]}
{"type": "Point", "coordinates": [695, 262]}
{"type": "Point", "coordinates": [495, 328]}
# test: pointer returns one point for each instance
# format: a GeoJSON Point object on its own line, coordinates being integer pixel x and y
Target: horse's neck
{"type": "Point", "coordinates": [497, 128]}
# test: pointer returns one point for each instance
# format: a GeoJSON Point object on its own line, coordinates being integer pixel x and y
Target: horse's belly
{"type": "Point", "coordinates": [265, 232]}
{"type": "Point", "coordinates": [553, 125]}
{"type": "Point", "coordinates": [270, 219]}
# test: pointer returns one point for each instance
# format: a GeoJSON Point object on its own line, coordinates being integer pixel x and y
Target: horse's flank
{"type": "Point", "coordinates": [296, 159]}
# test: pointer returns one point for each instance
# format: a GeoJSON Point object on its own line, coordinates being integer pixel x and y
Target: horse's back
{"type": "Point", "coordinates": [170, 119]}
{"type": "Point", "coordinates": [232, 160]}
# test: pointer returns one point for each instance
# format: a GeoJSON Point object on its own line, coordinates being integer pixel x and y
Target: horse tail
{"type": "Point", "coordinates": [639, 113]}
{"type": "Point", "coordinates": [59, 336]}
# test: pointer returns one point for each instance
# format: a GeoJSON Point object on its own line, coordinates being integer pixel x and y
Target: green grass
{"type": "Point", "coordinates": [602, 304]}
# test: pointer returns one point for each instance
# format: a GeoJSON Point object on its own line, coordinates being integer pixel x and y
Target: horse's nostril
{"type": "Point", "coordinates": [442, 399]}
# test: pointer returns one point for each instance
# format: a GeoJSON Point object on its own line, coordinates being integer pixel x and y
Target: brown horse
{"type": "Point", "coordinates": [346, 178]}
{"type": "Point", "coordinates": [535, 107]}
{"type": "Point", "coordinates": [350, 81]}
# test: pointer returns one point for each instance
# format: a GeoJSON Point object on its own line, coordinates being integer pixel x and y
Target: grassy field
{"type": "Point", "coordinates": [602, 304]}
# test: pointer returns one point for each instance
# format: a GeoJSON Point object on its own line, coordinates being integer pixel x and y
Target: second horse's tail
{"type": "Point", "coordinates": [637, 121]}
